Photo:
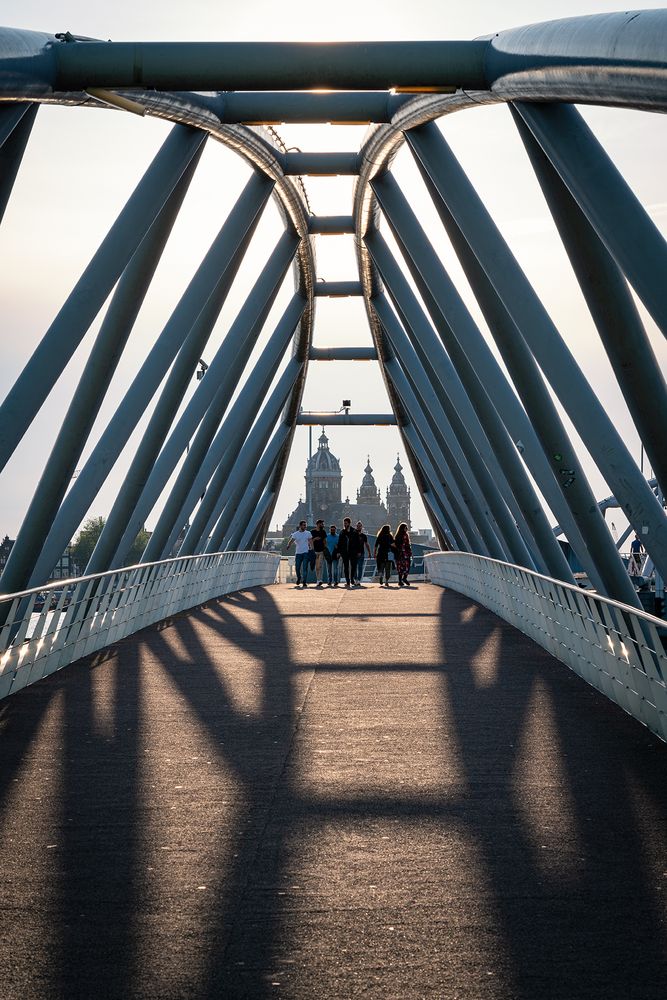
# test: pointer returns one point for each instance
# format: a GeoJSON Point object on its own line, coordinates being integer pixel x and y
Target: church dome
{"type": "Point", "coordinates": [323, 461]}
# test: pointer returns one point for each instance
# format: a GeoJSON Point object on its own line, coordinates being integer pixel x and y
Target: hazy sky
{"type": "Point", "coordinates": [81, 165]}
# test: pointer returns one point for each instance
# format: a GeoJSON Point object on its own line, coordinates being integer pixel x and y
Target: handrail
{"type": "Point", "coordinates": [617, 649]}
{"type": "Point", "coordinates": [92, 612]}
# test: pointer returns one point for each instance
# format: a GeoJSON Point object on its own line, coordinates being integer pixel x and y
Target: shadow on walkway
{"type": "Point", "coordinates": [338, 795]}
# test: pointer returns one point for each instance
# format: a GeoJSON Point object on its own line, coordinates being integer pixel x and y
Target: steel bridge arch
{"type": "Point", "coordinates": [616, 59]}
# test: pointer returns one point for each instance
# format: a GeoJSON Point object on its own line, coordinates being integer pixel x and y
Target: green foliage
{"type": "Point", "coordinates": [86, 540]}
{"type": "Point", "coordinates": [137, 548]}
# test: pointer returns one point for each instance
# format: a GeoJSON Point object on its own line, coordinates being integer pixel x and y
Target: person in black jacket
{"type": "Point", "coordinates": [348, 548]}
{"type": "Point", "coordinates": [384, 554]}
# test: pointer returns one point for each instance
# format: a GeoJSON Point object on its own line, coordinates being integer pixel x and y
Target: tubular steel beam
{"type": "Point", "coordinates": [430, 474]}
{"type": "Point", "coordinates": [248, 539]}
{"type": "Point", "coordinates": [611, 207]}
{"type": "Point", "coordinates": [498, 515]}
{"type": "Point", "coordinates": [89, 394]}
{"type": "Point", "coordinates": [266, 288]}
{"type": "Point", "coordinates": [234, 429]}
{"type": "Point", "coordinates": [16, 121]}
{"type": "Point", "coordinates": [350, 419]}
{"type": "Point", "coordinates": [331, 225]}
{"type": "Point", "coordinates": [473, 518]}
{"type": "Point", "coordinates": [202, 422]}
{"type": "Point", "coordinates": [342, 354]}
{"type": "Point", "coordinates": [441, 442]}
{"type": "Point", "coordinates": [320, 164]}
{"type": "Point", "coordinates": [469, 399]}
{"type": "Point", "coordinates": [500, 284]}
{"type": "Point", "coordinates": [612, 308]}
{"type": "Point", "coordinates": [230, 246]}
{"type": "Point", "coordinates": [269, 65]}
{"type": "Point", "coordinates": [337, 289]}
{"type": "Point", "coordinates": [276, 108]}
{"type": "Point", "coordinates": [221, 460]}
{"type": "Point", "coordinates": [256, 486]}
{"type": "Point", "coordinates": [480, 374]}
{"type": "Point", "coordinates": [526, 376]}
{"type": "Point", "coordinates": [90, 292]}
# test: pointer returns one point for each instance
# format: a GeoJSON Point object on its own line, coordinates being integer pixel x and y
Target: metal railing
{"type": "Point", "coordinates": [47, 628]}
{"type": "Point", "coordinates": [617, 649]}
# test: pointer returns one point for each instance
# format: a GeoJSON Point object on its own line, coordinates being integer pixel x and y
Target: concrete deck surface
{"type": "Point", "coordinates": [330, 794]}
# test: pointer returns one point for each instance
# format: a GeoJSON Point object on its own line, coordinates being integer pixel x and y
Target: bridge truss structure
{"type": "Point", "coordinates": [483, 440]}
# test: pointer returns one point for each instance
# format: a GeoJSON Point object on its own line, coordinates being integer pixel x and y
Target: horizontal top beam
{"type": "Point", "coordinates": [352, 419]}
{"type": "Point", "coordinates": [269, 108]}
{"type": "Point", "coordinates": [322, 164]}
{"type": "Point", "coordinates": [237, 66]}
{"type": "Point", "coordinates": [342, 354]}
{"type": "Point", "coordinates": [331, 225]}
{"type": "Point", "coordinates": [337, 289]}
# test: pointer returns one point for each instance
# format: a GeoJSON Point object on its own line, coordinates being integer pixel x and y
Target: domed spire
{"type": "Point", "coordinates": [323, 461]}
{"type": "Point", "coordinates": [398, 478]}
{"type": "Point", "coordinates": [368, 492]}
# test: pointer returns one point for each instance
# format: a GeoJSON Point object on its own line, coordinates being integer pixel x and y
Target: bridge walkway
{"type": "Point", "coordinates": [330, 794]}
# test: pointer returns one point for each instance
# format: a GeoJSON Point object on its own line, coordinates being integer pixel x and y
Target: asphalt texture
{"type": "Point", "coordinates": [330, 794]}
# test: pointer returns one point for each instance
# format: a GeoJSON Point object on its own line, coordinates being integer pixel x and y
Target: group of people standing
{"type": "Point", "coordinates": [325, 551]}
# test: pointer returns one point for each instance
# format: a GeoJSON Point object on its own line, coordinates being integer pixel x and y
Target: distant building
{"type": "Point", "coordinates": [324, 496]}
{"type": "Point", "coordinates": [63, 570]}
{"type": "Point", "coordinates": [5, 548]}
{"type": "Point", "coordinates": [398, 497]}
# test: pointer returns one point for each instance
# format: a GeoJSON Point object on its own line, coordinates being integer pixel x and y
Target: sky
{"type": "Point", "coordinates": [81, 166]}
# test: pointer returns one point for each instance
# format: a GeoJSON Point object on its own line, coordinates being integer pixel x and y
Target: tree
{"type": "Point", "coordinates": [137, 548]}
{"type": "Point", "coordinates": [86, 540]}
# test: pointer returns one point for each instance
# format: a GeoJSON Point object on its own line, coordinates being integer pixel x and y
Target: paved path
{"type": "Point", "coordinates": [330, 795]}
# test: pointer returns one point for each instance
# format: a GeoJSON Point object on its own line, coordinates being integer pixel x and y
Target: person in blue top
{"type": "Point", "coordinates": [331, 551]}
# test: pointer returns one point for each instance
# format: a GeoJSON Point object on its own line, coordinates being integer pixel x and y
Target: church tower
{"type": "Point", "coordinates": [323, 479]}
{"type": "Point", "coordinates": [398, 498]}
{"type": "Point", "coordinates": [368, 493]}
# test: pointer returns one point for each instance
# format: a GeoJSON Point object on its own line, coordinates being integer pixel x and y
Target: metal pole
{"type": "Point", "coordinates": [256, 486]}
{"type": "Point", "coordinates": [107, 549]}
{"type": "Point", "coordinates": [556, 445]}
{"type": "Point", "coordinates": [470, 353]}
{"type": "Point", "coordinates": [497, 276]}
{"type": "Point", "coordinates": [430, 474]}
{"type": "Point", "coordinates": [501, 519]}
{"type": "Point", "coordinates": [237, 228]}
{"type": "Point", "coordinates": [16, 121]}
{"type": "Point", "coordinates": [611, 207]}
{"type": "Point", "coordinates": [472, 518]}
{"type": "Point", "coordinates": [612, 308]}
{"type": "Point", "coordinates": [241, 66]}
{"type": "Point", "coordinates": [89, 394]}
{"type": "Point", "coordinates": [248, 539]}
{"type": "Point", "coordinates": [230, 495]}
{"type": "Point", "coordinates": [93, 287]}
{"type": "Point", "coordinates": [234, 428]}
{"type": "Point", "coordinates": [469, 399]}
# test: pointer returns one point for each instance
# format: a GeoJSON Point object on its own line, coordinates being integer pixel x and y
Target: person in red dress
{"type": "Point", "coordinates": [403, 551]}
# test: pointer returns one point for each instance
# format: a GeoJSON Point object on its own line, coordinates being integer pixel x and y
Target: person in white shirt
{"type": "Point", "coordinates": [304, 543]}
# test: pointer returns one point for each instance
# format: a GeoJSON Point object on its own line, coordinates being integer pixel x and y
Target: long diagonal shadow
{"type": "Point", "coordinates": [579, 931]}
{"type": "Point", "coordinates": [562, 795]}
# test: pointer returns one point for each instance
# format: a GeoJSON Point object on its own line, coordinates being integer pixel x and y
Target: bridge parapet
{"type": "Point", "coordinates": [615, 648]}
{"type": "Point", "coordinates": [47, 628]}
